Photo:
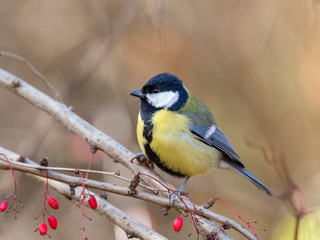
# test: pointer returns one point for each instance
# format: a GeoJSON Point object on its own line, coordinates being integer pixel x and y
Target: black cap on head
{"type": "Point", "coordinates": [163, 82]}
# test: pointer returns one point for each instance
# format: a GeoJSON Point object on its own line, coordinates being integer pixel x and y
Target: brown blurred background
{"type": "Point", "coordinates": [254, 63]}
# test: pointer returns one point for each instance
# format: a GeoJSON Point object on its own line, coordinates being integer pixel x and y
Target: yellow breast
{"type": "Point", "coordinates": [141, 139]}
{"type": "Point", "coordinates": [177, 148]}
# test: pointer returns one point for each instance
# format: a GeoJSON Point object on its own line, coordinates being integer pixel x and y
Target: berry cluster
{"type": "Point", "coordinates": [52, 221]}
{"type": "Point", "coordinates": [4, 204]}
{"type": "Point", "coordinates": [48, 200]}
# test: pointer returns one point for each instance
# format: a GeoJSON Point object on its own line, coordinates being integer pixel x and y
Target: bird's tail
{"type": "Point", "coordinates": [244, 172]}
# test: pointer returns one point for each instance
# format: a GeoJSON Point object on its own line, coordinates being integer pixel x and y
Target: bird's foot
{"type": "Point", "coordinates": [143, 160]}
{"type": "Point", "coordinates": [179, 190]}
{"type": "Point", "coordinates": [173, 195]}
{"type": "Point", "coordinates": [177, 193]}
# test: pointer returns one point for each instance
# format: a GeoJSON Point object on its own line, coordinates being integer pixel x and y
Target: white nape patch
{"type": "Point", "coordinates": [162, 99]}
{"type": "Point", "coordinates": [211, 130]}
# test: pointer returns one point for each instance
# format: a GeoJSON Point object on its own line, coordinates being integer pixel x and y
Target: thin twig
{"type": "Point", "coordinates": [34, 70]}
{"type": "Point", "coordinates": [291, 194]}
{"type": "Point", "coordinates": [296, 229]}
{"type": "Point", "coordinates": [72, 170]}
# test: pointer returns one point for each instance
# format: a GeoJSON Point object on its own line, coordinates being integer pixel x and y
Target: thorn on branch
{"type": "Point", "coordinates": [165, 211]}
{"type": "Point", "coordinates": [104, 196]}
{"type": "Point", "coordinates": [44, 162]}
{"type": "Point", "coordinates": [227, 225]}
{"type": "Point", "coordinates": [72, 188]}
{"type": "Point", "coordinates": [14, 84]}
{"type": "Point", "coordinates": [115, 160]}
{"type": "Point", "coordinates": [21, 159]}
{"type": "Point", "coordinates": [129, 235]}
{"type": "Point", "coordinates": [155, 191]}
{"type": "Point", "coordinates": [209, 204]}
{"type": "Point", "coordinates": [133, 185]}
{"type": "Point", "coordinates": [212, 235]}
{"type": "Point", "coordinates": [93, 148]}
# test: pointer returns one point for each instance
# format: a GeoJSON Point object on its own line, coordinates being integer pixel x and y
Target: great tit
{"type": "Point", "coordinates": [179, 134]}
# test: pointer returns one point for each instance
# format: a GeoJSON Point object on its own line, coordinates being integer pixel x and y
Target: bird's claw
{"type": "Point", "coordinates": [139, 156]}
{"type": "Point", "coordinates": [143, 160]}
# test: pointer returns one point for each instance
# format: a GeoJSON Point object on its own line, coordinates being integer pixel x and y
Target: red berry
{"type": "Point", "coordinates": [43, 229]}
{"type": "Point", "coordinates": [3, 206]}
{"type": "Point", "coordinates": [53, 203]}
{"type": "Point", "coordinates": [177, 224]}
{"type": "Point", "coordinates": [53, 223]}
{"type": "Point", "coordinates": [93, 202]}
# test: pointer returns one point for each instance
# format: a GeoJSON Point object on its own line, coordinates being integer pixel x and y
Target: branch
{"type": "Point", "coordinates": [75, 124]}
{"type": "Point", "coordinates": [94, 137]}
{"type": "Point", "coordinates": [30, 167]}
{"type": "Point", "coordinates": [34, 70]}
{"type": "Point", "coordinates": [62, 185]}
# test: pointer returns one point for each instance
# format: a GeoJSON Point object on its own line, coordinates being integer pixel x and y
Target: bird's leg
{"type": "Point", "coordinates": [143, 160]}
{"type": "Point", "coordinates": [179, 190]}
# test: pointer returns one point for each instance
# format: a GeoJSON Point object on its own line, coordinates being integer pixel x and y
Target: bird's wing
{"type": "Point", "coordinates": [215, 137]}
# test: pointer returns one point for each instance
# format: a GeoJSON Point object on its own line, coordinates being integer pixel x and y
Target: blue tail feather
{"type": "Point", "coordinates": [244, 172]}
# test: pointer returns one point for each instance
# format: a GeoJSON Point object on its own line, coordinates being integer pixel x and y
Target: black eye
{"type": "Point", "coordinates": [155, 90]}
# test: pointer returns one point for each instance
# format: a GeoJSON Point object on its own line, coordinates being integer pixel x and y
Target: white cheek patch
{"type": "Point", "coordinates": [163, 99]}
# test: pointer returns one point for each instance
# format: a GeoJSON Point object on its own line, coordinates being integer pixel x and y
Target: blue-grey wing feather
{"type": "Point", "coordinates": [215, 137]}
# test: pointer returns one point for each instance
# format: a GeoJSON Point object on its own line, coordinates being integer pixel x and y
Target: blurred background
{"type": "Point", "coordinates": [254, 63]}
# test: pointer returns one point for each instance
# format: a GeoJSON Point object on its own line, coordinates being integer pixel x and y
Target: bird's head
{"type": "Point", "coordinates": [163, 91]}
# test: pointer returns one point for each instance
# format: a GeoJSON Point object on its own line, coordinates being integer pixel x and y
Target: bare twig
{"type": "Point", "coordinates": [102, 45]}
{"type": "Point", "coordinates": [73, 170]}
{"type": "Point", "coordinates": [291, 193]}
{"type": "Point", "coordinates": [296, 231]}
{"type": "Point", "coordinates": [114, 214]}
{"type": "Point", "coordinates": [34, 70]}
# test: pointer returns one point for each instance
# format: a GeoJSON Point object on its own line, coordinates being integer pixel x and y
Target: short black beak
{"type": "Point", "coordinates": [137, 93]}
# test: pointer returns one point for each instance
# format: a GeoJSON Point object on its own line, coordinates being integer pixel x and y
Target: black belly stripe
{"type": "Point", "coordinates": [146, 115]}
{"type": "Point", "coordinates": [154, 158]}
